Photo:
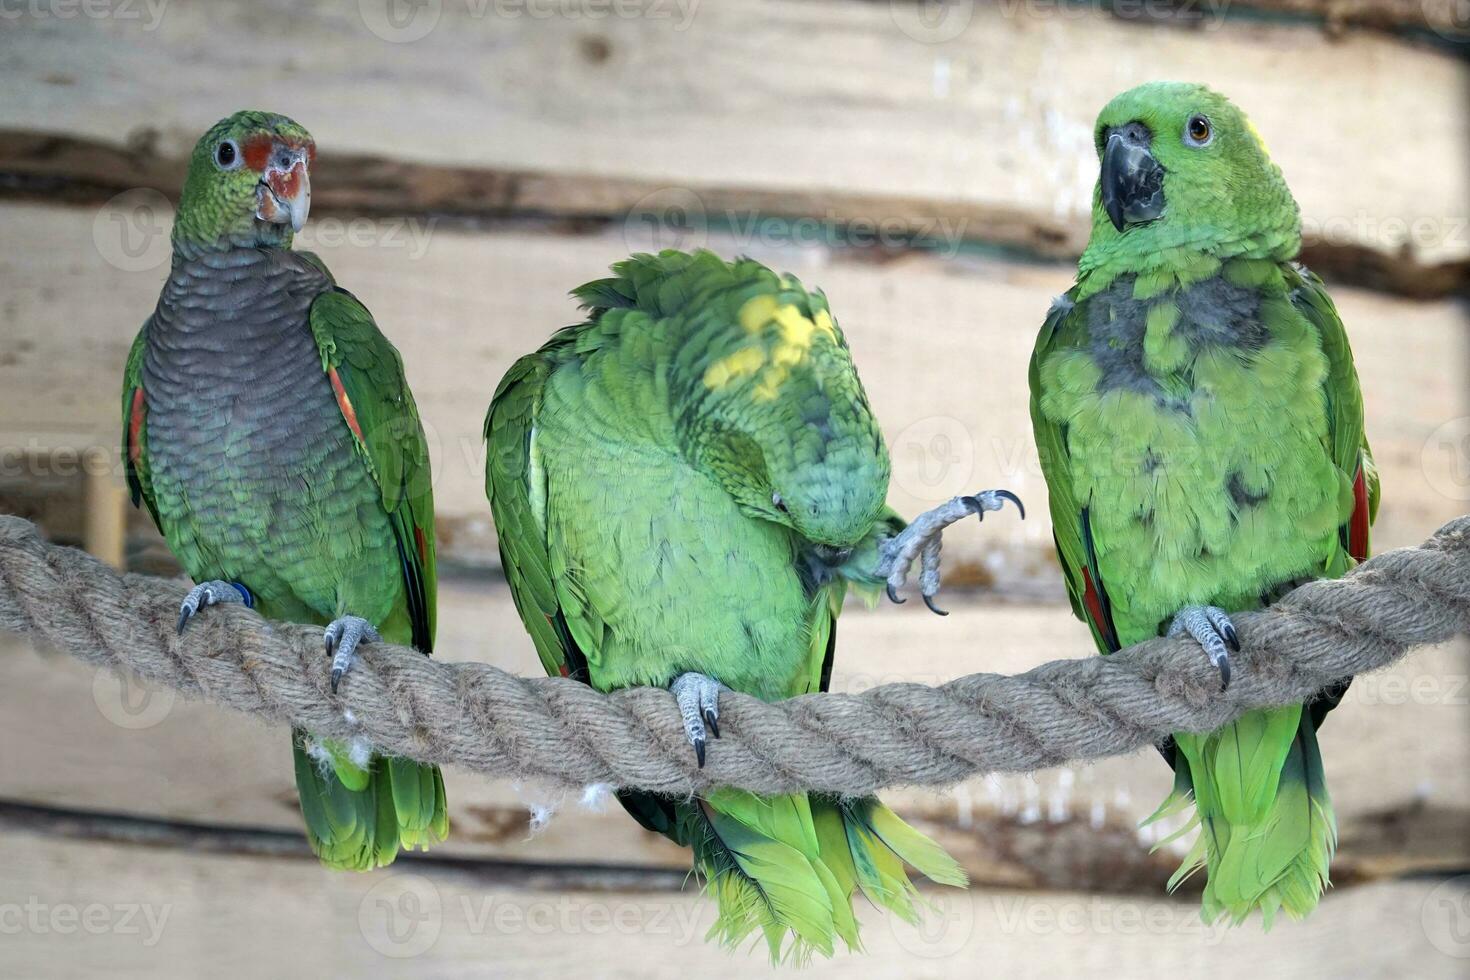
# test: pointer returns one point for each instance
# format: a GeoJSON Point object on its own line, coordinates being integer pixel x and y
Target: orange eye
{"type": "Point", "coordinates": [1199, 130]}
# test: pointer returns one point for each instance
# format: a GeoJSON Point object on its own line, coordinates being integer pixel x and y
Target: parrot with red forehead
{"type": "Point", "coordinates": [1200, 426]}
{"type": "Point", "coordinates": [269, 431]}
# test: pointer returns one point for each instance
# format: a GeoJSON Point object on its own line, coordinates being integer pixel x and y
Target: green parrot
{"type": "Point", "coordinates": [268, 429]}
{"type": "Point", "coordinates": [1200, 427]}
{"type": "Point", "coordinates": [684, 487]}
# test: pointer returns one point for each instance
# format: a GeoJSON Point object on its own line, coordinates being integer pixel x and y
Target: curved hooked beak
{"type": "Point", "coordinates": [284, 194]}
{"type": "Point", "coordinates": [1132, 180]}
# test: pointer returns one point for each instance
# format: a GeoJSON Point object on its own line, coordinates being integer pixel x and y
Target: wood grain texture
{"type": "Point", "coordinates": [135, 912]}
{"type": "Point", "coordinates": [837, 110]}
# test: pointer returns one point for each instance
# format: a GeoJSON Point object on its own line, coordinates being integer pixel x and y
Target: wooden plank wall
{"type": "Point", "coordinates": [934, 180]}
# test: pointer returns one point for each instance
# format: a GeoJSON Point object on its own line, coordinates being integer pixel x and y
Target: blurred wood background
{"type": "Point", "coordinates": [930, 167]}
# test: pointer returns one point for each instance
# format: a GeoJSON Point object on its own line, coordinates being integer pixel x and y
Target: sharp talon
{"type": "Point", "coordinates": [699, 751]}
{"type": "Point", "coordinates": [929, 601]}
{"type": "Point", "coordinates": [1232, 638]}
{"type": "Point", "coordinates": [893, 595]}
{"type": "Point", "coordinates": [336, 678]}
{"type": "Point", "coordinates": [1224, 666]}
{"type": "Point", "coordinates": [331, 643]}
{"type": "Point", "coordinates": [1006, 494]}
{"type": "Point", "coordinates": [974, 505]}
{"type": "Point", "coordinates": [183, 620]}
{"type": "Point", "coordinates": [712, 720]}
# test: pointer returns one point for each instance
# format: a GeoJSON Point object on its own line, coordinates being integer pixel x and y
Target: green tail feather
{"type": "Point", "coordinates": [356, 818]}
{"type": "Point", "coordinates": [1267, 830]}
{"type": "Point", "coordinates": [788, 867]}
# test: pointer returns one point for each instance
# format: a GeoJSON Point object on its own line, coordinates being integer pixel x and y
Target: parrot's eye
{"type": "Point", "coordinates": [779, 503]}
{"type": "Point", "coordinates": [1198, 132]}
{"type": "Point", "coordinates": [227, 155]}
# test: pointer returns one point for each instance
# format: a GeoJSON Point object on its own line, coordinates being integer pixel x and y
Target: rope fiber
{"type": "Point", "coordinates": [549, 728]}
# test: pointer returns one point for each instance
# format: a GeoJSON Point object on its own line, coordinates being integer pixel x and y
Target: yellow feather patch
{"type": "Point", "coordinates": [1256, 134]}
{"type": "Point", "coordinates": [757, 312]}
{"type": "Point", "coordinates": [733, 367]}
{"type": "Point", "coordinates": [795, 334]}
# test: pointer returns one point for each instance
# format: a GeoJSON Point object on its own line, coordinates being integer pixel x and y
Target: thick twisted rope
{"type": "Point", "coordinates": [475, 716]}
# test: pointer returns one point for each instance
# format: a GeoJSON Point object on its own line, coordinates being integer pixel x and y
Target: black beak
{"type": "Point", "coordinates": [1132, 181]}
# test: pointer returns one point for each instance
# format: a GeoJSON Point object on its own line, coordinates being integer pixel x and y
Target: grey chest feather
{"type": "Point", "coordinates": [234, 383]}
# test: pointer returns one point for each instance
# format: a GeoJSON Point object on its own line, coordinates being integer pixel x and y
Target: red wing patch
{"type": "Point", "coordinates": [135, 427]}
{"type": "Point", "coordinates": [1095, 611]}
{"type": "Point", "coordinates": [1358, 523]}
{"type": "Point", "coordinates": [345, 404]}
{"type": "Point", "coordinates": [423, 545]}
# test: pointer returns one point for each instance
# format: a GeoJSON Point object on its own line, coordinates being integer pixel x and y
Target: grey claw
{"type": "Point", "coordinates": [929, 601]}
{"type": "Point", "coordinates": [698, 697]}
{"type": "Point", "coordinates": [341, 640]}
{"type": "Point", "coordinates": [1211, 628]}
{"type": "Point", "coordinates": [893, 595]}
{"type": "Point", "coordinates": [213, 593]}
{"type": "Point", "coordinates": [992, 500]}
{"type": "Point", "coordinates": [1007, 495]}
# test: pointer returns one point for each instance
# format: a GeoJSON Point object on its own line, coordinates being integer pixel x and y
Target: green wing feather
{"type": "Point", "coordinates": [390, 439]}
{"type": "Point", "coordinates": [516, 486]}
{"type": "Point", "coordinates": [135, 431]}
{"type": "Point", "coordinates": [356, 817]}
{"type": "Point", "coordinates": [1349, 445]}
{"type": "Point", "coordinates": [1068, 514]}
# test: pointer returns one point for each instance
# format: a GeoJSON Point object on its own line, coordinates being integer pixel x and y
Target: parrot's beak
{"type": "Point", "coordinates": [284, 196]}
{"type": "Point", "coordinates": [1132, 180]}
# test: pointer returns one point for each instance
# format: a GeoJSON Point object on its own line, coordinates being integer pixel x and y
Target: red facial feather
{"type": "Point", "coordinates": [286, 185]}
{"type": "Point", "coordinates": [257, 152]}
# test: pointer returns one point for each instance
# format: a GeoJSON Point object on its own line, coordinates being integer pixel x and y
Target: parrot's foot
{"type": "Point", "coordinates": [342, 637]}
{"type": "Point", "coordinates": [212, 593]}
{"type": "Point", "coordinates": [1211, 628]}
{"type": "Point", "coordinates": [921, 539]}
{"type": "Point", "coordinates": [699, 703]}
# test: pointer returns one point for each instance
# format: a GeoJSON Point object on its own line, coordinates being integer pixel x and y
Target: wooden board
{"type": "Point", "coordinates": [839, 110]}
{"type": "Point", "coordinates": [157, 913]}
{"type": "Point", "coordinates": [942, 346]}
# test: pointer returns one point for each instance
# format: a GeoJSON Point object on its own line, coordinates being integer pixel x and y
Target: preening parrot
{"type": "Point", "coordinates": [268, 429]}
{"type": "Point", "coordinates": [1200, 427]}
{"type": "Point", "coordinates": [684, 486]}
